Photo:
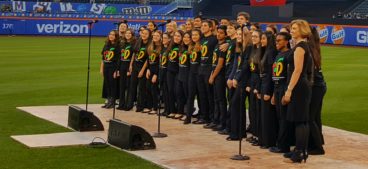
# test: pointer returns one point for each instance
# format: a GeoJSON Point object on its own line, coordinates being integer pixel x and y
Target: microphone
{"type": "Point", "coordinates": [93, 21]}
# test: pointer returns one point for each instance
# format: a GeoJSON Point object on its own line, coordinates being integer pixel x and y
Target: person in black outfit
{"type": "Point", "coordinates": [253, 87]}
{"type": "Point", "coordinates": [125, 59]}
{"type": "Point", "coordinates": [137, 68]}
{"type": "Point", "coordinates": [279, 75]}
{"type": "Point", "coordinates": [299, 91]}
{"type": "Point", "coordinates": [166, 38]}
{"type": "Point", "coordinates": [229, 64]}
{"type": "Point", "coordinates": [172, 71]}
{"type": "Point", "coordinates": [208, 43]}
{"type": "Point", "coordinates": [154, 52]}
{"type": "Point", "coordinates": [269, 119]}
{"type": "Point", "coordinates": [319, 89]}
{"type": "Point", "coordinates": [195, 56]}
{"type": "Point", "coordinates": [183, 75]}
{"type": "Point", "coordinates": [241, 75]}
{"type": "Point", "coordinates": [217, 79]}
{"type": "Point", "coordinates": [110, 67]}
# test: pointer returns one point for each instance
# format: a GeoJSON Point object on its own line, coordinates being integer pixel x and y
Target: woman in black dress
{"type": "Point", "coordinates": [299, 91]}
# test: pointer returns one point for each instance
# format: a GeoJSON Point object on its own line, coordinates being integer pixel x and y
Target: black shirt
{"type": "Point", "coordinates": [208, 46]}
{"type": "Point", "coordinates": [217, 54]}
{"type": "Point", "coordinates": [110, 55]}
{"type": "Point", "coordinates": [141, 55]}
{"type": "Point", "coordinates": [173, 57]}
{"type": "Point", "coordinates": [230, 56]}
{"type": "Point", "coordinates": [126, 52]}
{"type": "Point", "coordinates": [279, 67]}
{"type": "Point", "coordinates": [153, 62]}
{"type": "Point", "coordinates": [307, 63]}
{"type": "Point", "coordinates": [194, 61]}
{"type": "Point", "coordinates": [184, 65]}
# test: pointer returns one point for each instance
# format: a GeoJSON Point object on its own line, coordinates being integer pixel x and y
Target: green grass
{"type": "Point", "coordinates": [52, 71]}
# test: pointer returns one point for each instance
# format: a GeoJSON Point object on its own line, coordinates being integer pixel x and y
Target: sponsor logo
{"type": "Point", "coordinates": [140, 10]}
{"type": "Point", "coordinates": [362, 37]}
{"type": "Point", "coordinates": [338, 35]}
{"type": "Point", "coordinates": [8, 26]}
{"type": "Point", "coordinates": [323, 33]}
{"type": "Point", "coordinates": [62, 28]}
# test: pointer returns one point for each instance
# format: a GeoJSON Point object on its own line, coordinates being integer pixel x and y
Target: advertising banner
{"type": "Point", "coordinates": [267, 2]}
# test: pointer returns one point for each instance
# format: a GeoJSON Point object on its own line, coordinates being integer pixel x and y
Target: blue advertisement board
{"type": "Point", "coordinates": [339, 34]}
{"type": "Point", "coordinates": [60, 27]}
{"type": "Point", "coordinates": [95, 8]}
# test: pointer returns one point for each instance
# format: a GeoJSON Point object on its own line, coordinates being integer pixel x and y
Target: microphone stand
{"type": "Point", "coordinates": [158, 134]}
{"type": "Point", "coordinates": [239, 156]}
{"type": "Point", "coordinates": [89, 60]}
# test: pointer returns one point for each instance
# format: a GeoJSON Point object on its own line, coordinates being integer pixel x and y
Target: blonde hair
{"type": "Point", "coordinates": [304, 27]}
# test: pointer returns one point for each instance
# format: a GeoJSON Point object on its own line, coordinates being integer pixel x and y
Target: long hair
{"type": "Point", "coordinates": [195, 46]}
{"type": "Point", "coordinates": [186, 47]}
{"type": "Point", "coordinates": [116, 41]}
{"type": "Point", "coordinates": [155, 47]}
{"type": "Point", "coordinates": [172, 43]}
{"type": "Point", "coordinates": [132, 40]}
{"type": "Point", "coordinates": [257, 51]}
{"type": "Point", "coordinates": [140, 41]}
{"type": "Point", "coordinates": [270, 49]}
{"type": "Point", "coordinates": [315, 48]}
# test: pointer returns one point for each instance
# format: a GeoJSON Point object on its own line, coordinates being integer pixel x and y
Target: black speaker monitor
{"type": "Point", "coordinates": [130, 137]}
{"type": "Point", "coordinates": [82, 120]}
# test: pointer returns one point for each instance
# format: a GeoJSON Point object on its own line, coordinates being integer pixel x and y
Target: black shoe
{"type": "Point", "coordinates": [218, 128]}
{"type": "Point", "coordinates": [200, 121]}
{"type": "Point", "coordinates": [316, 152]}
{"type": "Point", "coordinates": [289, 154]}
{"type": "Point", "coordinates": [255, 143]}
{"type": "Point", "coordinates": [209, 126]}
{"type": "Point", "coordinates": [232, 139]}
{"type": "Point", "coordinates": [299, 156]}
{"type": "Point", "coordinates": [277, 150]}
{"type": "Point", "coordinates": [187, 121]}
{"type": "Point", "coordinates": [139, 110]}
{"type": "Point", "coordinates": [120, 108]}
{"type": "Point", "coordinates": [223, 132]}
{"type": "Point", "coordinates": [128, 108]}
{"type": "Point", "coordinates": [263, 147]}
{"type": "Point", "coordinates": [105, 105]}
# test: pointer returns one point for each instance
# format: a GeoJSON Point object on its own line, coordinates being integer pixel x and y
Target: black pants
{"type": "Point", "coordinates": [152, 94]}
{"type": "Point", "coordinates": [124, 84]}
{"type": "Point", "coordinates": [219, 90]}
{"type": "Point", "coordinates": [171, 83]}
{"type": "Point", "coordinates": [254, 113]}
{"type": "Point", "coordinates": [111, 82]}
{"type": "Point", "coordinates": [301, 135]}
{"type": "Point", "coordinates": [181, 95]}
{"type": "Point", "coordinates": [230, 94]}
{"type": "Point", "coordinates": [192, 93]}
{"type": "Point", "coordinates": [206, 96]}
{"type": "Point", "coordinates": [141, 84]}
{"type": "Point", "coordinates": [238, 115]}
{"type": "Point", "coordinates": [285, 128]}
{"type": "Point", "coordinates": [316, 138]}
{"type": "Point", "coordinates": [269, 123]}
{"type": "Point", "coordinates": [164, 89]}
